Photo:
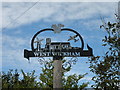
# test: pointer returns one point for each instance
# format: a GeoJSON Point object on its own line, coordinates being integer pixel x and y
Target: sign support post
{"type": "Point", "coordinates": [57, 73]}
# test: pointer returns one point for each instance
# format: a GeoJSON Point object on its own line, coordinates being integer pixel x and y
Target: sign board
{"type": "Point", "coordinates": [57, 49]}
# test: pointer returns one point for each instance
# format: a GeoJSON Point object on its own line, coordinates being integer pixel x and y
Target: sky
{"type": "Point", "coordinates": [18, 29]}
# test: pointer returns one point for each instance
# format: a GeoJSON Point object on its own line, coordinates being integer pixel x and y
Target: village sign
{"type": "Point", "coordinates": [57, 49]}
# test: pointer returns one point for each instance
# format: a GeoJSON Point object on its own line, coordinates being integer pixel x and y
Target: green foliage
{"type": "Point", "coordinates": [12, 79]}
{"type": "Point", "coordinates": [28, 80]}
{"type": "Point", "coordinates": [71, 81]}
{"type": "Point", "coordinates": [107, 67]}
{"type": "Point", "coordinates": [47, 76]}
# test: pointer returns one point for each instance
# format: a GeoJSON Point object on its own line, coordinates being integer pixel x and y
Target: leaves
{"type": "Point", "coordinates": [71, 81]}
{"type": "Point", "coordinates": [104, 44]}
{"type": "Point", "coordinates": [106, 68]}
{"type": "Point", "coordinates": [13, 80]}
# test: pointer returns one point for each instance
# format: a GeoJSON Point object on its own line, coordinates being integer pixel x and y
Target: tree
{"type": "Point", "coordinates": [107, 67]}
{"type": "Point", "coordinates": [13, 80]}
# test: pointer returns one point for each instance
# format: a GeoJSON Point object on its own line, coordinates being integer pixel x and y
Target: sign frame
{"type": "Point", "coordinates": [82, 53]}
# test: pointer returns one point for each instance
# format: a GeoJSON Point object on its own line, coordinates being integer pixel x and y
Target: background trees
{"type": "Point", "coordinates": [107, 67]}
{"type": "Point", "coordinates": [13, 80]}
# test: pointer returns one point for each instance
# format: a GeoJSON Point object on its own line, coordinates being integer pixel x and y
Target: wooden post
{"type": "Point", "coordinates": [57, 73]}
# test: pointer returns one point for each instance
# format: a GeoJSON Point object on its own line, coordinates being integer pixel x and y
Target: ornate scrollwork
{"type": "Point", "coordinates": [41, 60]}
{"type": "Point", "coordinates": [46, 63]}
{"type": "Point", "coordinates": [49, 65]}
{"type": "Point", "coordinates": [73, 60]}
{"type": "Point", "coordinates": [69, 63]}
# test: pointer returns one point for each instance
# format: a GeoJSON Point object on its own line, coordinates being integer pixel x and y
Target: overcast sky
{"type": "Point", "coordinates": [84, 17]}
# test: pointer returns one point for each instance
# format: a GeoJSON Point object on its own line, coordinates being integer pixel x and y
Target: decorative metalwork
{"type": "Point", "coordinates": [41, 60]}
{"type": "Point", "coordinates": [73, 38]}
{"type": "Point", "coordinates": [38, 43]}
{"type": "Point", "coordinates": [57, 28]}
{"type": "Point", "coordinates": [49, 65]}
{"type": "Point", "coordinates": [74, 60]}
{"type": "Point", "coordinates": [46, 63]}
{"type": "Point", "coordinates": [57, 49]}
{"type": "Point", "coordinates": [69, 63]}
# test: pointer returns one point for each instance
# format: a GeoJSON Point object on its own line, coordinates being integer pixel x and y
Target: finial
{"type": "Point", "coordinates": [57, 28]}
